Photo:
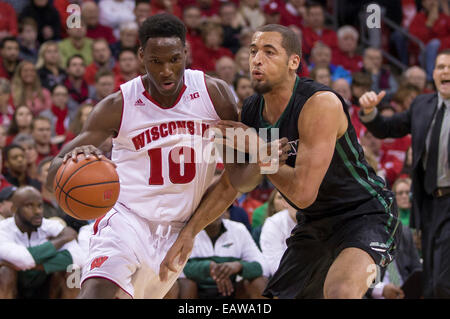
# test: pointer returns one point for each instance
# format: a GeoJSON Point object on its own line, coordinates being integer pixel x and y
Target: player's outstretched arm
{"type": "Point", "coordinates": [321, 122]}
{"type": "Point", "coordinates": [103, 122]}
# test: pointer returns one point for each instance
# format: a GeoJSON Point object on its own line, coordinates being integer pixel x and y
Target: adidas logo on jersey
{"type": "Point", "coordinates": [139, 103]}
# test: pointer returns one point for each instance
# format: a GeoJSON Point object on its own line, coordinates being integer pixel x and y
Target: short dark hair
{"type": "Point", "coordinates": [163, 25]}
{"type": "Point", "coordinates": [73, 57]}
{"type": "Point", "coordinates": [238, 79]}
{"type": "Point", "coordinates": [10, 147]}
{"type": "Point", "coordinates": [362, 80]}
{"type": "Point", "coordinates": [40, 118]}
{"type": "Point", "coordinates": [6, 39]}
{"type": "Point", "coordinates": [443, 52]}
{"type": "Point", "coordinates": [313, 4]}
{"type": "Point", "coordinates": [53, 88]}
{"type": "Point", "coordinates": [103, 72]}
{"type": "Point", "coordinates": [290, 42]}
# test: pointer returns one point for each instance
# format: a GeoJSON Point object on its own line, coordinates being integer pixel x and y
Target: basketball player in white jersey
{"type": "Point", "coordinates": [155, 120]}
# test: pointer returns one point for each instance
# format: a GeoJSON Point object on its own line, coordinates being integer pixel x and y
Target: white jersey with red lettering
{"type": "Point", "coordinates": [164, 155]}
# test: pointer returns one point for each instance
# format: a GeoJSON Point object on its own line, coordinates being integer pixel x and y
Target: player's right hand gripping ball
{"type": "Point", "coordinates": [88, 188]}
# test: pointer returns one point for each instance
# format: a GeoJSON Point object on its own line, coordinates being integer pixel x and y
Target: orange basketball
{"type": "Point", "coordinates": [86, 189]}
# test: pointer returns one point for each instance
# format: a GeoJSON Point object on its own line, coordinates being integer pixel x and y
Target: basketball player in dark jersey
{"type": "Point", "coordinates": [347, 219]}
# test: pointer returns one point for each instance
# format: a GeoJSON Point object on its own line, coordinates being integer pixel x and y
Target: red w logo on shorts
{"type": "Point", "coordinates": [97, 262]}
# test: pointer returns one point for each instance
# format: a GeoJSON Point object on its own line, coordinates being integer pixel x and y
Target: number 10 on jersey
{"type": "Point", "coordinates": [180, 162]}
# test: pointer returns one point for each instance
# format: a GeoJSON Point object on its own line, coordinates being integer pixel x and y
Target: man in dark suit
{"type": "Point", "coordinates": [428, 121]}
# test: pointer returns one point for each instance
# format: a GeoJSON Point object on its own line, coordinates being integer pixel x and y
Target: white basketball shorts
{"type": "Point", "coordinates": [128, 250]}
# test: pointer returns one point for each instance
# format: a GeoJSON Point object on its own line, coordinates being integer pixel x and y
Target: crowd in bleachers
{"type": "Point", "coordinates": [53, 75]}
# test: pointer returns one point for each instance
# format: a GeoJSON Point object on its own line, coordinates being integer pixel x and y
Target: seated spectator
{"type": "Point", "coordinates": [58, 114]}
{"type": "Point", "coordinates": [76, 44]}
{"type": "Point", "coordinates": [9, 57]}
{"type": "Point", "coordinates": [27, 142]}
{"type": "Point", "coordinates": [78, 121]}
{"type": "Point", "coordinates": [42, 134]}
{"type": "Point", "coordinates": [128, 39]}
{"type": "Point", "coordinates": [28, 44]}
{"type": "Point", "coordinates": [404, 96]}
{"type": "Point", "coordinates": [2, 139]}
{"type": "Point", "coordinates": [79, 90]}
{"type": "Point", "coordinates": [230, 25]}
{"type": "Point", "coordinates": [402, 191]}
{"type": "Point", "coordinates": [209, 8]}
{"type": "Point", "coordinates": [302, 70]}
{"type": "Point", "coordinates": [102, 59]}
{"type": "Point", "coordinates": [162, 6]}
{"type": "Point", "coordinates": [27, 89]}
{"type": "Point", "coordinates": [33, 249]}
{"type": "Point", "coordinates": [115, 12]}
{"type": "Point", "coordinates": [432, 28]}
{"type": "Point", "coordinates": [274, 204]}
{"type": "Point", "coordinates": [90, 15]}
{"type": "Point", "coordinates": [21, 122]}
{"type": "Point", "coordinates": [226, 71]}
{"type": "Point", "coordinates": [104, 85]}
{"type": "Point", "coordinates": [142, 11]}
{"type": "Point", "coordinates": [321, 57]}
{"type": "Point", "coordinates": [223, 250]}
{"type": "Point", "coordinates": [16, 167]}
{"type": "Point", "coordinates": [243, 88]}
{"type": "Point", "coordinates": [8, 21]}
{"type": "Point", "coordinates": [382, 78]}
{"type": "Point", "coordinates": [272, 12]}
{"type": "Point", "coordinates": [294, 13]}
{"type": "Point", "coordinates": [342, 87]}
{"type": "Point", "coordinates": [393, 277]}
{"type": "Point", "coordinates": [46, 17]}
{"type": "Point", "coordinates": [241, 60]}
{"type": "Point", "coordinates": [245, 37]}
{"type": "Point", "coordinates": [276, 229]}
{"type": "Point", "coordinates": [192, 18]}
{"type": "Point", "coordinates": [316, 31]}
{"type": "Point", "coordinates": [346, 55]}
{"type": "Point", "coordinates": [64, 11]}
{"type": "Point", "coordinates": [49, 65]}
{"type": "Point", "coordinates": [6, 107]}
{"type": "Point", "coordinates": [321, 74]}
{"type": "Point", "coordinates": [416, 76]}
{"type": "Point", "coordinates": [6, 194]}
{"type": "Point", "coordinates": [250, 13]}
{"type": "Point", "coordinates": [206, 56]}
{"type": "Point", "coordinates": [126, 68]}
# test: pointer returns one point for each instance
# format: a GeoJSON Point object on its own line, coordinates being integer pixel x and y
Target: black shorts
{"type": "Point", "coordinates": [315, 243]}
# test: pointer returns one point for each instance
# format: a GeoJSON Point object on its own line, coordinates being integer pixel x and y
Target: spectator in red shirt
{"type": "Point", "coordinates": [316, 31]}
{"type": "Point", "coordinates": [9, 57]}
{"type": "Point", "coordinates": [433, 29]}
{"type": "Point", "coordinates": [169, 6]}
{"type": "Point", "coordinates": [126, 67]}
{"type": "Point", "coordinates": [58, 114]}
{"type": "Point", "coordinates": [205, 56]}
{"type": "Point", "coordinates": [192, 18]}
{"type": "Point", "coordinates": [294, 13]}
{"type": "Point", "coordinates": [142, 10]}
{"type": "Point", "coordinates": [6, 108]}
{"type": "Point", "coordinates": [272, 11]}
{"type": "Point", "coordinates": [42, 133]}
{"type": "Point", "coordinates": [90, 14]}
{"type": "Point", "coordinates": [346, 55]}
{"type": "Point", "coordinates": [102, 59]}
{"type": "Point", "coordinates": [8, 21]}
{"type": "Point", "coordinates": [361, 83]}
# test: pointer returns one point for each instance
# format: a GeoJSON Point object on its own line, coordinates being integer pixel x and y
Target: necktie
{"type": "Point", "coordinates": [393, 274]}
{"type": "Point", "coordinates": [433, 152]}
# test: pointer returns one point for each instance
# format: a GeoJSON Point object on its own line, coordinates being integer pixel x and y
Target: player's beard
{"type": "Point", "coordinates": [261, 88]}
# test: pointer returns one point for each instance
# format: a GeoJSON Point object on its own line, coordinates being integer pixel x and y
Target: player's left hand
{"type": "Point", "coordinates": [182, 247]}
